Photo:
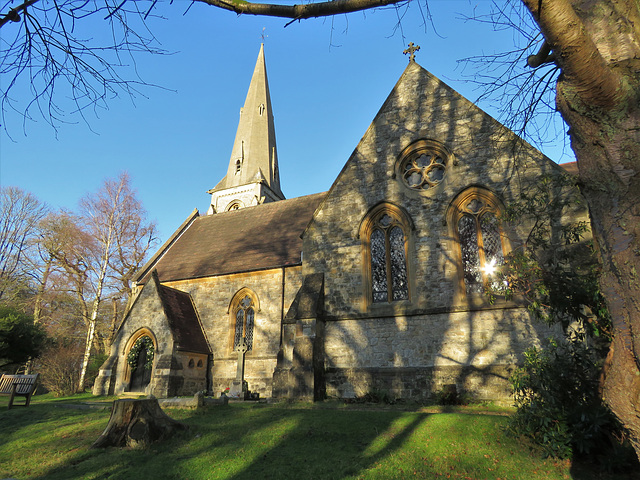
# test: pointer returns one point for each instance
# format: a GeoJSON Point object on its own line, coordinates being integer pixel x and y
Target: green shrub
{"type": "Point", "coordinates": [93, 368]}
{"type": "Point", "coordinates": [559, 408]}
{"type": "Point", "coordinates": [20, 337]}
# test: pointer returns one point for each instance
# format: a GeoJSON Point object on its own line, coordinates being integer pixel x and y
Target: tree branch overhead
{"type": "Point", "coordinates": [301, 11]}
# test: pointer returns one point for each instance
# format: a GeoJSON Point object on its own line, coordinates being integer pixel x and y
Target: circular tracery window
{"type": "Point", "coordinates": [423, 165]}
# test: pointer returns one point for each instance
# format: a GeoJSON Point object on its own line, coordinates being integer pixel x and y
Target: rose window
{"type": "Point", "coordinates": [423, 164]}
{"type": "Point", "coordinates": [423, 171]}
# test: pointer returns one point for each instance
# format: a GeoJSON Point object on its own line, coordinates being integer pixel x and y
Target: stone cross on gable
{"type": "Point", "coordinates": [411, 51]}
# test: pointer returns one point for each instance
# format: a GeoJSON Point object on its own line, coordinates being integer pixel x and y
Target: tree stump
{"type": "Point", "coordinates": [137, 423]}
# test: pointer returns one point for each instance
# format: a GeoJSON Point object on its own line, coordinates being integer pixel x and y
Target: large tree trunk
{"type": "Point", "coordinates": [597, 47]}
{"type": "Point", "coordinates": [608, 152]}
{"type": "Point", "coordinates": [137, 423]}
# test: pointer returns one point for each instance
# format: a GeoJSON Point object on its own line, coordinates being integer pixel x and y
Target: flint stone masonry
{"type": "Point", "coordinates": [366, 343]}
{"type": "Point", "coordinates": [152, 321]}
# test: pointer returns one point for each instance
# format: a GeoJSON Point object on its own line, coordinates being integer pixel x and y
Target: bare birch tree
{"type": "Point", "coordinates": [116, 221]}
{"type": "Point", "coordinates": [20, 213]}
{"type": "Point", "coordinates": [100, 249]}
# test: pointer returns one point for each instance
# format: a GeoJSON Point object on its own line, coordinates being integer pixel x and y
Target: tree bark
{"type": "Point", "coordinates": [598, 95]}
{"type": "Point", "coordinates": [608, 151]}
{"type": "Point", "coordinates": [42, 288]}
{"type": "Point", "coordinates": [137, 424]}
{"type": "Point", "coordinates": [87, 354]}
{"type": "Point", "coordinates": [576, 52]}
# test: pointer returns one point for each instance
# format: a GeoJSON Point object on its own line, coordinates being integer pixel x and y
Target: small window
{"type": "Point", "coordinates": [191, 363]}
{"type": "Point", "coordinates": [244, 316]}
{"type": "Point", "coordinates": [238, 166]}
{"type": "Point", "coordinates": [235, 205]}
{"type": "Point", "coordinates": [199, 363]}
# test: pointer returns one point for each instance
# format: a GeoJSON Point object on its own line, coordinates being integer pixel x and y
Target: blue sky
{"type": "Point", "coordinates": [328, 78]}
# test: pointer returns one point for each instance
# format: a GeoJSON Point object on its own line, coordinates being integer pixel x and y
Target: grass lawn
{"type": "Point", "coordinates": [259, 441]}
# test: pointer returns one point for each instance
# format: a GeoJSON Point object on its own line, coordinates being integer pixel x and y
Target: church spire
{"type": "Point", "coordinates": [254, 158]}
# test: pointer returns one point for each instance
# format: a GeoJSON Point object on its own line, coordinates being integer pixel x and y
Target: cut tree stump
{"type": "Point", "coordinates": [137, 423]}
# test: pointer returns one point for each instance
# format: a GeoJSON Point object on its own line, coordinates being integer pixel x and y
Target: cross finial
{"type": "Point", "coordinates": [412, 51]}
{"type": "Point", "coordinates": [263, 34]}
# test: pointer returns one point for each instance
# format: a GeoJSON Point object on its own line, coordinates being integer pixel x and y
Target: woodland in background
{"type": "Point", "coordinates": [71, 271]}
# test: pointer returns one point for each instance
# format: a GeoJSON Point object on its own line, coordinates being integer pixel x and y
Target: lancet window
{"type": "Point", "coordinates": [481, 241]}
{"type": "Point", "coordinates": [386, 244]}
{"type": "Point", "coordinates": [244, 322]}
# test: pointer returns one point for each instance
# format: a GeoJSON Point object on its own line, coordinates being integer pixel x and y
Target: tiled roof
{"type": "Point", "coordinates": [252, 238]}
{"type": "Point", "coordinates": [183, 320]}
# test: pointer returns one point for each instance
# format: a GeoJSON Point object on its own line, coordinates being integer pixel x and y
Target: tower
{"type": "Point", "coordinates": [252, 177]}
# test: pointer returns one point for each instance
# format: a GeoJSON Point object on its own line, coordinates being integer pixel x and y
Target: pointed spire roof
{"type": "Point", "coordinates": [254, 157]}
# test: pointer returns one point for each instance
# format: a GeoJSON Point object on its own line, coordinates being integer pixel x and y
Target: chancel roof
{"type": "Point", "coordinates": [183, 320]}
{"type": "Point", "coordinates": [251, 238]}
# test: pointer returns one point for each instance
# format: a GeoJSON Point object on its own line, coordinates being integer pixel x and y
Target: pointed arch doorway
{"type": "Point", "coordinates": [140, 361]}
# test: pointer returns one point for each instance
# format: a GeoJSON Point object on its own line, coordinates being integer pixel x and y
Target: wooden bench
{"type": "Point", "coordinates": [20, 385]}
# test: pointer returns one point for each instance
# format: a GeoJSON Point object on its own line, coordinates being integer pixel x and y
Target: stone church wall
{"type": "Point", "coordinates": [194, 372]}
{"type": "Point", "coordinates": [440, 335]}
{"type": "Point", "coordinates": [483, 153]}
{"type": "Point", "coordinates": [349, 345]}
{"type": "Point", "coordinates": [148, 318]}
{"type": "Point", "coordinates": [415, 357]}
{"type": "Point", "coordinates": [275, 290]}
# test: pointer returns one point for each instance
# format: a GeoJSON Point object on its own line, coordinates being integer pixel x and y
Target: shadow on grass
{"type": "Point", "coordinates": [245, 442]}
{"type": "Point", "coordinates": [284, 442]}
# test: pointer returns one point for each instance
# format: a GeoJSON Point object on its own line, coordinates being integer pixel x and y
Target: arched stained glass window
{"type": "Point", "coordinates": [481, 246]}
{"type": "Point", "coordinates": [244, 323]}
{"type": "Point", "coordinates": [387, 245]}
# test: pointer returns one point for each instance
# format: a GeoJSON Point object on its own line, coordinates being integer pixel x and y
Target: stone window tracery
{"type": "Point", "coordinates": [385, 242]}
{"type": "Point", "coordinates": [480, 238]}
{"type": "Point", "coordinates": [423, 165]}
{"type": "Point", "coordinates": [244, 323]}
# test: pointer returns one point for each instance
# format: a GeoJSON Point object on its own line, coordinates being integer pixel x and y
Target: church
{"type": "Point", "coordinates": [374, 286]}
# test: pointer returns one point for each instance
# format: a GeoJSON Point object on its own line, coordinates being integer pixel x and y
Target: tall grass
{"type": "Point", "coordinates": [257, 441]}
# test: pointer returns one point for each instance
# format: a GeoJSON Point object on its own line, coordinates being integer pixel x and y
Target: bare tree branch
{"type": "Point", "coordinates": [576, 53]}
{"type": "Point", "coordinates": [525, 97]}
{"type": "Point", "coordinates": [301, 11]}
{"type": "Point", "coordinates": [20, 213]}
{"type": "Point", "coordinates": [14, 13]}
{"type": "Point", "coordinates": [56, 53]}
